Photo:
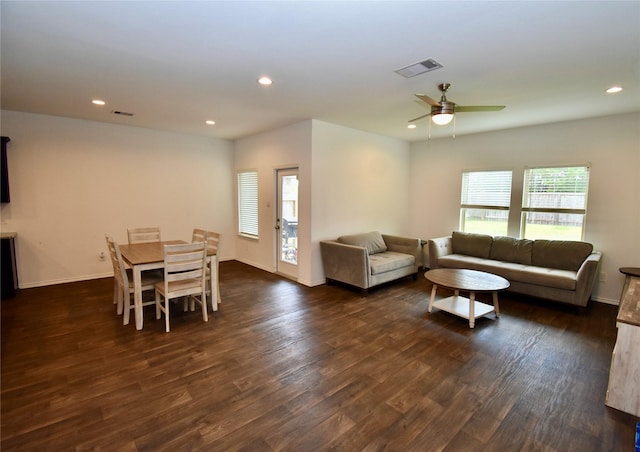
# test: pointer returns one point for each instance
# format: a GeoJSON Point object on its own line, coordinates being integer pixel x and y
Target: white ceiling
{"type": "Point", "coordinates": [176, 64]}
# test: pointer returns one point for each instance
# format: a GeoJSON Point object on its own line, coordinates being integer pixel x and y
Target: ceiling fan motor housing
{"type": "Point", "coordinates": [446, 108]}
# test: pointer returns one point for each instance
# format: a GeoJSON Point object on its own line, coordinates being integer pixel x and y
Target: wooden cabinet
{"type": "Point", "coordinates": [623, 392]}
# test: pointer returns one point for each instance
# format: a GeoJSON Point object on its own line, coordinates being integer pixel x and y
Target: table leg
{"type": "Point", "coordinates": [213, 289]}
{"type": "Point", "coordinates": [472, 309]}
{"type": "Point", "coordinates": [495, 304]}
{"type": "Point", "coordinates": [137, 296]}
{"type": "Point", "coordinates": [433, 296]}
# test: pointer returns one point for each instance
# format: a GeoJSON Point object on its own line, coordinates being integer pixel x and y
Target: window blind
{"type": "Point", "coordinates": [486, 190]}
{"type": "Point", "coordinates": [556, 189]}
{"type": "Point", "coordinates": [248, 203]}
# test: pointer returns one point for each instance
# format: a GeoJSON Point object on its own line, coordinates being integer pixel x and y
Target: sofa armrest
{"type": "Point", "coordinates": [405, 245]}
{"type": "Point", "coordinates": [346, 263]}
{"type": "Point", "coordinates": [438, 247]}
{"type": "Point", "coordinates": [586, 278]}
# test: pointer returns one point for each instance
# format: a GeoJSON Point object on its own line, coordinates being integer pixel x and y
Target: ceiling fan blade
{"type": "Point", "coordinates": [427, 99]}
{"type": "Point", "coordinates": [462, 108]}
{"type": "Point", "coordinates": [420, 117]}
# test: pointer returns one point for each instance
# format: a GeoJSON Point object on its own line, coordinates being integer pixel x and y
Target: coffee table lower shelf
{"type": "Point", "coordinates": [460, 306]}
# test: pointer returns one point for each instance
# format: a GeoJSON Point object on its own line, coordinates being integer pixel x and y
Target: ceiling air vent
{"type": "Point", "coordinates": [419, 68]}
{"type": "Point", "coordinates": [122, 113]}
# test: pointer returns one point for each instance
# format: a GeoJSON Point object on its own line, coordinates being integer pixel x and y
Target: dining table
{"type": "Point", "coordinates": [150, 256]}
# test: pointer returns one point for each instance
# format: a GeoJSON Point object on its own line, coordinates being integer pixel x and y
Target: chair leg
{"type": "Point", "coordinates": [126, 308]}
{"type": "Point", "coordinates": [118, 298]}
{"type": "Point", "coordinates": [166, 315]}
{"type": "Point", "coordinates": [217, 285]}
{"type": "Point", "coordinates": [158, 308]}
{"type": "Point", "coordinates": [203, 303]}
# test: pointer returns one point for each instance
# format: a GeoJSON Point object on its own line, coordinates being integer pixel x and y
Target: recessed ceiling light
{"type": "Point", "coordinates": [411, 126]}
{"type": "Point", "coordinates": [265, 81]}
{"type": "Point", "coordinates": [614, 89]}
{"type": "Point", "coordinates": [98, 102]}
{"type": "Point", "coordinates": [210, 122]}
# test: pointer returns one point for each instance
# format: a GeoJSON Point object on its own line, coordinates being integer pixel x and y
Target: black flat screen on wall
{"type": "Point", "coordinates": [4, 172]}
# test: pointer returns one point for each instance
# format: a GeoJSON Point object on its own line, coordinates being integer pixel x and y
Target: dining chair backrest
{"type": "Point", "coordinates": [199, 235]}
{"type": "Point", "coordinates": [184, 276]}
{"type": "Point", "coordinates": [213, 239]}
{"type": "Point", "coordinates": [184, 269]}
{"type": "Point", "coordinates": [119, 270]}
{"type": "Point", "coordinates": [143, 235]}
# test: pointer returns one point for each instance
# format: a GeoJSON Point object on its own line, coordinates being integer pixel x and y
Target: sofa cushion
{"type": "Point", "coordinates": [372, 241]}
{"type": "Point", "coordinates": [509, 249]}
{"type": "Point", "coordinates": [564, 255]}
{"type": "Point", "coordinates": [389, 261]}
{"type": "Point", "coordinates": [478, 245]}
{"type": "Point", "coordinates": [550, 277]}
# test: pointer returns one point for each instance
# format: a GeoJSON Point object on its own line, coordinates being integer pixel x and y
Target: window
{"type": "Point", "coordinates": [248, 203]}
{"type": "Point", "coordinates": [554, 202]}
{"type": "Point", "coordinates": [484, 205]}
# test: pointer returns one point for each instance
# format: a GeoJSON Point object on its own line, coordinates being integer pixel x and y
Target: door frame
{"type": "Point", "coordinates": [284, 268]}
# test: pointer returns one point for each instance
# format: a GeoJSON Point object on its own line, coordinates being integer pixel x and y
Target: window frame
{"type": "Point", "coordinates": [467, 204]}
{"type": "Point", "coordinates": [526, 208]}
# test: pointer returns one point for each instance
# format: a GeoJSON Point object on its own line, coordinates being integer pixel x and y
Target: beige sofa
{"type": "Point", "coordinates": [369, 259]}
{"type": "Point", "coordinates": [556, 270]}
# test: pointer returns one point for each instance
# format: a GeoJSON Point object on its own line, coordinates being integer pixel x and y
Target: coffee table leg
{"type": "Point", "coordinates": [495, 304]}
{"type": "Point", "coordinates": [433, 296]}
{"type": "Point", "coordinates": [472, 309]}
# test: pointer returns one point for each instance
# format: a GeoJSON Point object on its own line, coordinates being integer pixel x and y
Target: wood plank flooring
{"type": "Point", "coordinates": [285, 367]}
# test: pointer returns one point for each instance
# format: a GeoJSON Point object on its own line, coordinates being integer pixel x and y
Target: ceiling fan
{"type": "Point", "coordinates": [442, 112]}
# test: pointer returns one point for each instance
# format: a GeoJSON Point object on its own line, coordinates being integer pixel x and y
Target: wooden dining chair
{"type": "Point", "coordinates": [123, 282]}
{"type": "Point", "coordinates": [212, 239]}
{"type": "Point", "coordinates": [143, 235]}
{"type": "Point", "coordinates": [185, 269]}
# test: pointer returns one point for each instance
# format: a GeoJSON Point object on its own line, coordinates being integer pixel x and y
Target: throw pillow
{"type": "Point", "coordinates": [372, 241]}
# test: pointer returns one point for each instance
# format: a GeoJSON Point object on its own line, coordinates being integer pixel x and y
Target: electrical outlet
{"type": "Point", "coordinates": [102, 256]}
{"type": "Point", "coordinates": [603, 277]}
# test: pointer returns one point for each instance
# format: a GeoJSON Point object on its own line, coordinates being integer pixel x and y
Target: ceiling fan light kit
{"type": "Point", "coordinates": [442, 119]}
{"type": "Point", "coordinates": [442, 113]}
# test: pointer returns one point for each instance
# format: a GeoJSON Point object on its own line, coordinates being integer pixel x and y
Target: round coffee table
{"type": "Point", "coordinates": [471, 281]}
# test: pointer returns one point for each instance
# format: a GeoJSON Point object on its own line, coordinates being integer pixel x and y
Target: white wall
{"type": "Point", "coordinates": [350, 181]}
{"type": "Point", "coordinates": [610, 144]}
{"type": "Point", "coordinates": [72, 181]}
{"type": "Point", "coordinates": [360, 184]}
{"type": "Point", "coordinates": [286, 147]}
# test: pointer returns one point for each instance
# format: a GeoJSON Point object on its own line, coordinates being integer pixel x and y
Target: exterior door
{"type": "Point", "coordinates": [287, 222]}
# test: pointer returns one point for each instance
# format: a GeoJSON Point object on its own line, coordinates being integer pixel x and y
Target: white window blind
{"type": "Point", "coordinates": [491, 189]}
{"type": "Point", "coordinates": [554, 202]}
{"type": "Point", "coordinates": [485, 201]}
{"type": "Point", "coordinates": [248, 203]}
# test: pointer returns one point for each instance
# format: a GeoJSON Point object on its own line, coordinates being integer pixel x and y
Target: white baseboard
{"type": "Point", "coordinates": [606, 300]}
{"type": "Point", "coordinates": [65, 280]}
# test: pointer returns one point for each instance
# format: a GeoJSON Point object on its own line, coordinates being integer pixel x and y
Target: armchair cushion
{"type": "Point", "coordinates": [372, 241]}
{"type": "Point", "coordinates": [389, 261]}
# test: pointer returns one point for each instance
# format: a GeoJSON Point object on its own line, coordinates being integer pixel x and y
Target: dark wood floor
{"type": "Point", "coordinates": [286, 367]}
